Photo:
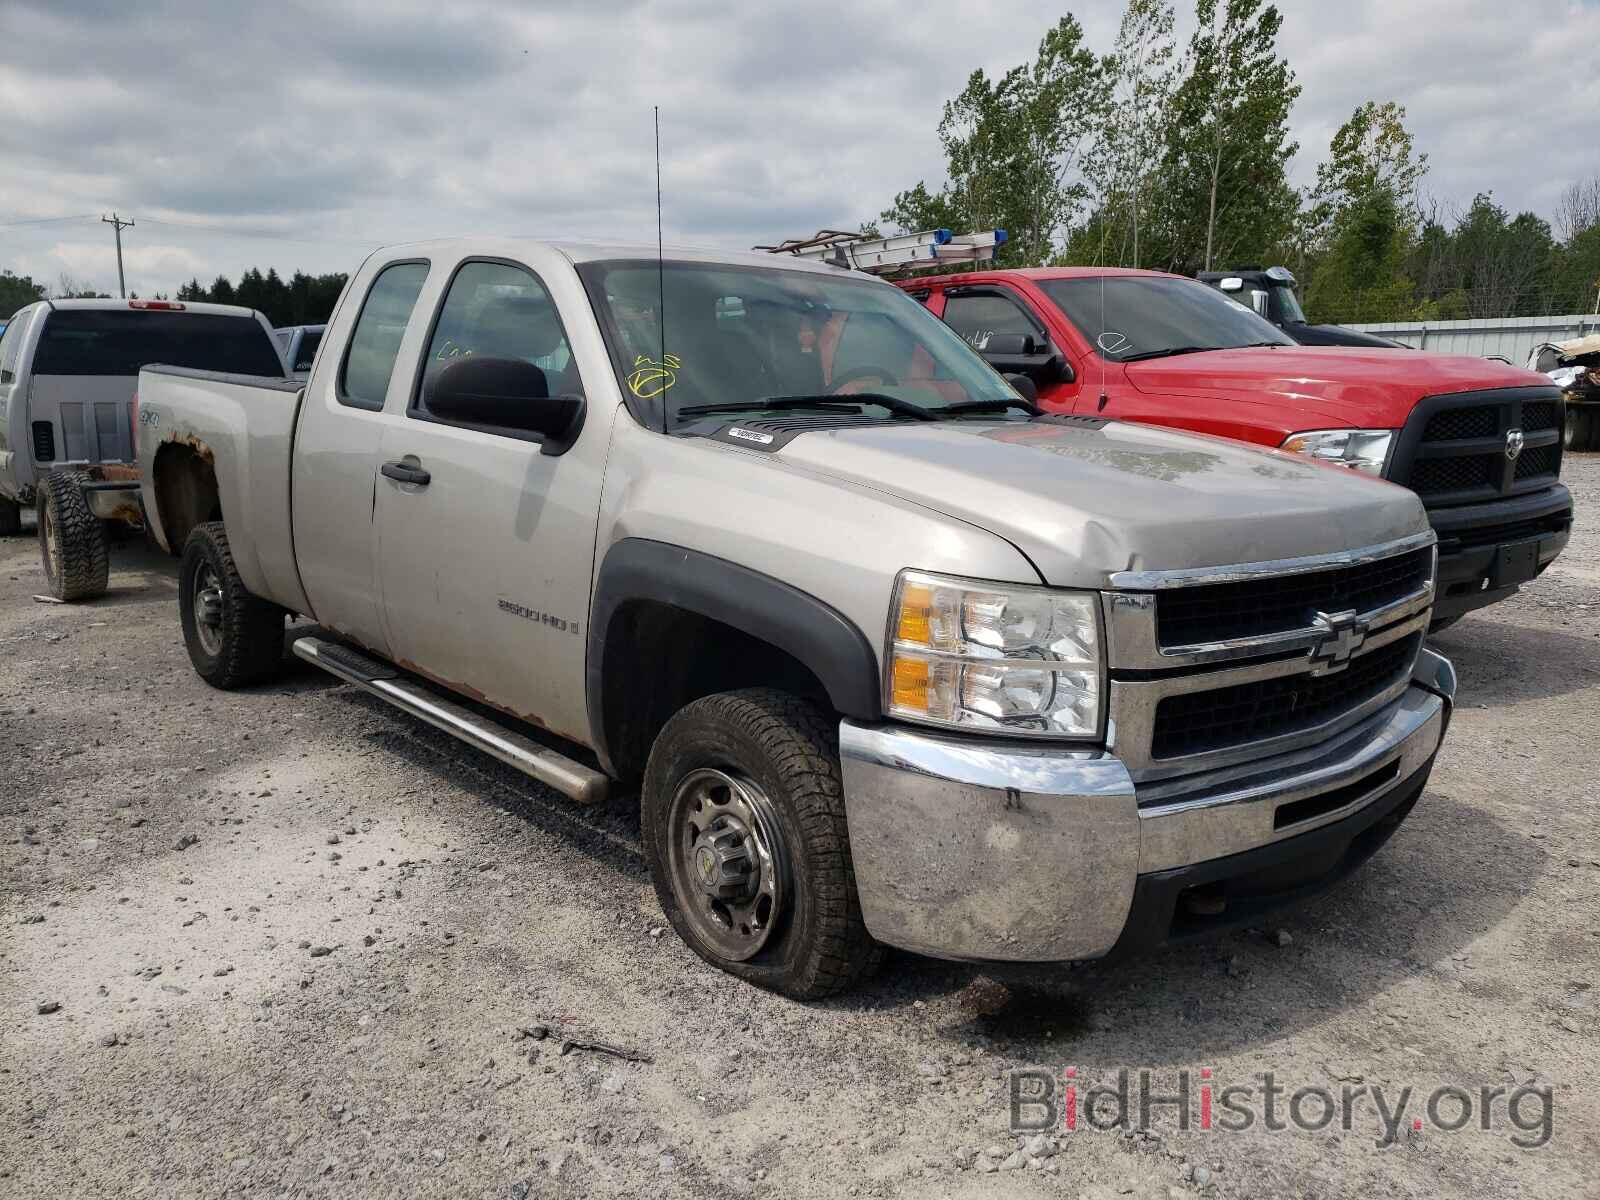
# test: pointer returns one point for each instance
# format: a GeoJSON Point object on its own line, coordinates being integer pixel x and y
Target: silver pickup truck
{"type": "Point", "coordinates": [889, 656]}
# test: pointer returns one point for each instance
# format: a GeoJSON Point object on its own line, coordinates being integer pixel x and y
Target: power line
{"type": "Point", "coordinates": [46, 220]}
{"type": "Point", "coordinates": [256, 233]}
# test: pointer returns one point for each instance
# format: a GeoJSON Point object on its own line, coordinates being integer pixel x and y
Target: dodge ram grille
{"type": "Point", "coordinates": [1479, 446]}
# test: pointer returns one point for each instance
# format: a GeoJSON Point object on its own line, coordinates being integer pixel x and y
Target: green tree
{"type": "Point", "coordinates": [1362, 275]}
{"type": "Point", "coordinates": [1362, 219]}
{"type": "Point", "coordinates": [1372, 151]}
{"type": "Point", "coordinates": [1575, 287]}
{"type": "Point", "coordinates": [17, 291]}
{"type": "Point", "coordinates": [1013, 148]}
{"type": "Point", "coordinates": [1225, 197]}
{"type": "Point", "coordinates": [1142, 77]}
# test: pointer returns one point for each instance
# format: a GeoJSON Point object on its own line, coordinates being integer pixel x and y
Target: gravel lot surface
{"type": "Point", "coordinates": [285, 941]}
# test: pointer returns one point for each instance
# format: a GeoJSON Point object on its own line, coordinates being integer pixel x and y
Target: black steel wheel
{"type": "Point", "coordinates": [234, 638]}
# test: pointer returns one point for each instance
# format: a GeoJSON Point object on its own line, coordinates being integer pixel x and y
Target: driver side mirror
{"type": "Point", "coordinates": [1024, 354]}
{"type": "Point", "coordinates": [506, 396]}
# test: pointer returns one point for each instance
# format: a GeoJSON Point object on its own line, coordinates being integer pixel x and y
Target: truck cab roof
{"type": "Point", "coordinates": [577, 250]}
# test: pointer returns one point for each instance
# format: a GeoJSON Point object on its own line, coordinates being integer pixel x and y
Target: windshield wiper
{"type": "Point", "coordinates": [821, 403]}
{"type": "Point", "coordinates": [1167, 353]}
{"type": "Point", "coordinates": [984, 406]}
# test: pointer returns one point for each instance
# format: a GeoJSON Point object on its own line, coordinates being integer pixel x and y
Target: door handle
{"type": "Point", "coordinates": [405, 472]}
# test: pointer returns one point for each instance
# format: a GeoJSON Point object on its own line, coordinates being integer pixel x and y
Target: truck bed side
{"type": "Point", "coordinates": [218, 445]}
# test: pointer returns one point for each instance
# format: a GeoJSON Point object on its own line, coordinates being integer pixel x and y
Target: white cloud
{"type": "Point", "coordinates": [349, 124]}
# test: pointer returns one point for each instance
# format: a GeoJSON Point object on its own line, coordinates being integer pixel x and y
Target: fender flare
{"type": "Point", "coordinates": [815, 633]}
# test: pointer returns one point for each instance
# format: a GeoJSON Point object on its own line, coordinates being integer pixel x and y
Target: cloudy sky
{"type": "Point", "coordinates": [300, 136]}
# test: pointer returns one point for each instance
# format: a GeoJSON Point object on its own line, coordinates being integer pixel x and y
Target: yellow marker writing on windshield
{"type": "Point", "coordinates": [650, 378]}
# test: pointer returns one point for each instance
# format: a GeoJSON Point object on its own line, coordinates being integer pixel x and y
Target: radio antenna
{"type": "Point", "coordinates": [661, 272]}
{"type": "Point", "coordinates": [1100, 339]}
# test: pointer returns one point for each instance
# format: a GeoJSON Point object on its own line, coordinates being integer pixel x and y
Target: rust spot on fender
{"type": "Point", "coordinates": [194, 443]}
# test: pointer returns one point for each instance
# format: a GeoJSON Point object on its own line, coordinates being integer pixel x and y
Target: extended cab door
{"type": "Point", "coordinates": [338, 443]}
{"type": "Point", "coordinates": [486, 544]}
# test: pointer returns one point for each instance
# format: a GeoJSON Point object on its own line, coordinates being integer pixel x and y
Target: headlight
{"type": "Point", "coordinates": [1011, 659]}
{"type": "Point", "coordinates": [1365, 450]}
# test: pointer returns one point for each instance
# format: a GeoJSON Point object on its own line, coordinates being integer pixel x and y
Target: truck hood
{"type": "Point", "coordinates": [1324, 387]}
{"type": "Point", "coordinates": [1083, 499]}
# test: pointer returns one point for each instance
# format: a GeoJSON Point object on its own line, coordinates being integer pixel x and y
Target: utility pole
{"type": "Point", "coordinates": [118, 224]}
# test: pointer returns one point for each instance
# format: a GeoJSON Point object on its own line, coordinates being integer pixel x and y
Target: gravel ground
{"type": "Point", "coordinates": [285, 941]}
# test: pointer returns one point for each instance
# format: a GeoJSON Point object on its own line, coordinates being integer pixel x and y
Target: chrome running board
{"type": "Point", "coordinates": [389, 683]}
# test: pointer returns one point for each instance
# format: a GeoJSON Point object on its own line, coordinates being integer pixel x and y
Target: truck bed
{"type": "Point", "coordinates": [241, 429]}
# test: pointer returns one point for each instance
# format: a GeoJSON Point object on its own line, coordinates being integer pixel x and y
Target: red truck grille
{"type": "Point", "coordinates": [1456, 449]}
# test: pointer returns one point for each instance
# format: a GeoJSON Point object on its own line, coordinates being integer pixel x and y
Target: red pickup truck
{"type": "Point", "coordinates": [1478, 441]}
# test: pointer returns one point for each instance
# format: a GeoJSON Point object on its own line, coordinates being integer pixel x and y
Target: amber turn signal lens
{"type": "Point", "coordinates": [916, 604]}
{"type": "Point", "coordinates": [910, 690]}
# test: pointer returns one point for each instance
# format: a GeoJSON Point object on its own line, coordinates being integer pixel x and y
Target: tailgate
{"type": "Point", "coordinates": [80, 419]}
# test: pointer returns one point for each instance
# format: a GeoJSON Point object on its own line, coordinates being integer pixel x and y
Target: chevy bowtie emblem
{"type": "Point", "coordinates": [1513, 443]}
{"type": "Point", "coordinates": [1342, 634]}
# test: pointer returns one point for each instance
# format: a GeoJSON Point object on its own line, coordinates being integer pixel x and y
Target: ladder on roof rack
{"type": "Point", "coordinates": [889, 255]}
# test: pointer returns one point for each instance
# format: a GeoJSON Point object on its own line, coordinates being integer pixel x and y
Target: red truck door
{"type": "Point", "coordinates": [976, 311]}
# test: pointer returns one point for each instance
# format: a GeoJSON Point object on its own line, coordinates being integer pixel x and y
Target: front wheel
{"type": "Point", "coordinates": [72, 541]}
{"type": "Point", "coordinates": [234, 638]}
{"type": "Point", "coordinates": [744, 830]}
{"type": "Point", "coordinates": [10, 517]}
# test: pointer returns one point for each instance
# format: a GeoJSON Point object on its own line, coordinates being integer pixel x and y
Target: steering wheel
{"type": "Point", "coordinates": [882, 378]}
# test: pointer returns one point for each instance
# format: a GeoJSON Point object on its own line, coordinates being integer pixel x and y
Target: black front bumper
{"type": "Point", "coordinates": [1212, 897]}
{"type": "Point", "coordinates": [1486, 551]}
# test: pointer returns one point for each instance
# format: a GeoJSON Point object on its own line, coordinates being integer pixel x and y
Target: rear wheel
{"type": "Point", "coordinates": [234, 638]}
{"type": "Point", "coordinates": [10, 517]}
{"type": "Point", "coordinates": [744, 830]}
{"type": "Point", "coordinates": [72, 541]}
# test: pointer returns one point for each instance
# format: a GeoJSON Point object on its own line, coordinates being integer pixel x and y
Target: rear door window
{"type": "Point", "coordinates": [375, 343]}
{"type": "Point", "coordinates": [119, 341]}
{"type": "Point", "coordinates": [306, 354]}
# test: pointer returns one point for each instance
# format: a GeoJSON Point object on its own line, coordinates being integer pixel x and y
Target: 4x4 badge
{"type": "Point", "coordinates": [1342, 635]}
{"type": "Point", "coordinates": [1513, 443]}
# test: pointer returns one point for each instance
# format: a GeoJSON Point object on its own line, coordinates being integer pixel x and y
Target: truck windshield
{"type": "Point", "coordinates": [1144, 316]}
{"type": "Point", "coordinates": [741, 338]}
{"type": "Point", "coordinates": [1289, 306]}
{"type": "Point", "coordinates": [118, 341]}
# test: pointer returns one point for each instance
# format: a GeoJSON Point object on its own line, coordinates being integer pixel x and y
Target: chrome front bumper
{"type": "Point", "coordinates": [968, 849]}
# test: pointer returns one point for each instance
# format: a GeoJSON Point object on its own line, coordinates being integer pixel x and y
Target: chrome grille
{"type": "Point", "coordinates": [1215, 668]}
{"type": "Point", "coordinates": [1249, 608]}
{"type": "Point", "coordinates": [1196, 722]}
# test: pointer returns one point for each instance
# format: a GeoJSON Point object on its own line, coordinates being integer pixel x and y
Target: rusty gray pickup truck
{"type": "Point", "coordinates": [886, 655]}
